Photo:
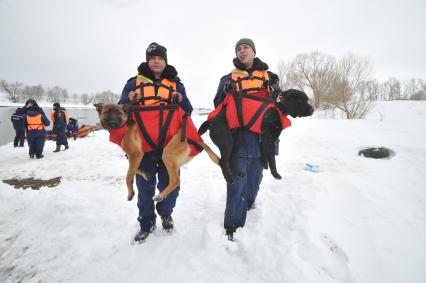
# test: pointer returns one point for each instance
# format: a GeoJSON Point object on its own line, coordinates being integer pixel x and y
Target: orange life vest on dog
{"type": "Point", "coordinates": [158, 91]}
{"type": "Point", "coordinates": [35, 123]}
{"type": "Point", "coordinates": [249, 84]}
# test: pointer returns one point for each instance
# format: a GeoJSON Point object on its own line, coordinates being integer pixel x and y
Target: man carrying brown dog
{"type": "Point", "coordinates": [155, 78]}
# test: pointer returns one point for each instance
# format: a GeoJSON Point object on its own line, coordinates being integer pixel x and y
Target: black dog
{"type": "Point", "coordinates": [291, 102]}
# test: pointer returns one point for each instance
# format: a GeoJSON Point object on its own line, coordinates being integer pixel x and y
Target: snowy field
{"type": "Point", "coordinates": [355, 220]}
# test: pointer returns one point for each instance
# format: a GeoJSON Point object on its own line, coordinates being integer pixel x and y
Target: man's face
{"type": "Point", "coordinates": [157, 64]}
{"type": "Point", "coordinates": [245, 54]}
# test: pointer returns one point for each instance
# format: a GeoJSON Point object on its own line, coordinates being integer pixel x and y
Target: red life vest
{"type": "Point", "coordinates": [117, 135]}
{"type": "Point", "coordinates": [155, 137]}
{"type": "Point", "coordinates": [151, 90]}
{"type": "Point", "coordinates": [252, 109]}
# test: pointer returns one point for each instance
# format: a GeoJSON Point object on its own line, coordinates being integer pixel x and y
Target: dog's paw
{"type": "Point", "coordinates": [276, 175]}
{"type": "Point", "coordinates": [130, 196]}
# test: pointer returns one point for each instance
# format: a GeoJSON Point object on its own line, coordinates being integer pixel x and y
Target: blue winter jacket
{"type": "Point", "coordinates": [18, 119]}
{"type": "Point", "coordinates": [249, 142]}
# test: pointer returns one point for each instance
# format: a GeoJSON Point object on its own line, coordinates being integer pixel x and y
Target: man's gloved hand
{"type": "Point", "coordinates": [228, 87]}
{"type": "Point", "coordinates": [177, 97]}
{"type": "Point", "coordinates": [131, 97]}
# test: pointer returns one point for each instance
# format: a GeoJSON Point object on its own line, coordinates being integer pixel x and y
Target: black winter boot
{"type": "Point", "coordinates": [230, 234]}
{"type": "Point", "coordinates": [66, 147]}
{"type": "Point", "coordinates": [167, 222]}
{"type": "Point", "coordinates": [142, 235]}
{"type": "Point", "coordinates": [58, 148]}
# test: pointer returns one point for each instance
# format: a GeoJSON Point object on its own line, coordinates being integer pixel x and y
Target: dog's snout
{"type": "Point", "coordinates": [114, 123]}
{"type": "Point", "coordinates": [112, 118]}
{"type": "Point", "coordinates": [310, 110]}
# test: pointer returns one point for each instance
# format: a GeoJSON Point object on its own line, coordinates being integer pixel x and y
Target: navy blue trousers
{"type": "Point", "coordinates": [242, 192]}
{"type": "Point", "coordinates": [36, 141]}
{"type": "Point", "coordinates": [61, 137]}
{"type": "Point", "coordinates": [19, 137]}
{"type": "Point", "coordinates": [153, 165]}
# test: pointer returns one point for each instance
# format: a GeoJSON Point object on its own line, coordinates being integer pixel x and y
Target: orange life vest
{"type": "Point", "coordinates": [247, 83]}
{"type": "Point", "coordinates": [35, 123]}
{"type": "Point", "coordinates": [151, 90]}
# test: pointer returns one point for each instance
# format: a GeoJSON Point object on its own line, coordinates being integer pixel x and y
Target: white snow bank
{"type": "Point", "coordinates": [356, 220]}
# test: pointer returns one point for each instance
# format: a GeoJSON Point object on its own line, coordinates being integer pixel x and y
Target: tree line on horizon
{"type": "Point", "coordinates": [345, 83]}
{"type": "Point", "coordinates": [19, 92]}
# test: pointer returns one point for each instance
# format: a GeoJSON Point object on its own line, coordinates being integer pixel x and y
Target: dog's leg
{"type": "Point", "coordinates": [270, 134]}
{"type": "Point", "coordinates": [132, 145]}
{"type": "Point", "coordinates": [175, 154]}
{"type": "Point", "coordinates": [268, 154]}
{"type": "Point", "coordinates": [221, 136]}
{"type": "Point", "coordinates": [232, 158]}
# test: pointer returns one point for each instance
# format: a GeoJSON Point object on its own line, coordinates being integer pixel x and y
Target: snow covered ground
{"type": "Point", "coordinates": [355, 220]}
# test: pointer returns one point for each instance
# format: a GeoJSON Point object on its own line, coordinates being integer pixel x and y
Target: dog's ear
{"type": "Point", "coordinates": [99, 107]}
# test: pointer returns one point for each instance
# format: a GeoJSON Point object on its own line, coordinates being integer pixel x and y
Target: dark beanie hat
{"type": "Point", "coordinates": [155, 49]}
{"type": "Point", "coordinates": [56, 105]}
{"type": "Point", "coordinates": [247, 41]}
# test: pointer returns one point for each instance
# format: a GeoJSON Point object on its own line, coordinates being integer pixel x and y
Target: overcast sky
{"type": "Point", "coordinates": [95, 45]}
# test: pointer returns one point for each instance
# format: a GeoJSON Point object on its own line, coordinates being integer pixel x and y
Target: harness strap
{"type": "Point", "coordinates": [135, 108]}
{"type": "Point", "coordinates": [239, 107]}
{"type": "Point", "coordinates": [256, 115]}
{"type": "Point", "coordinates": [145, 132]}
{"type": "Point", "coordinates": [195, 144]}
{"type": "Point", "coordinates": [142, 94]}
{"type": "Point", "coordinates": [184, 122]}
{"type": "Point", "coordinates": [164, 129]}
{"type": "Point", "coordinates": [258, 98]}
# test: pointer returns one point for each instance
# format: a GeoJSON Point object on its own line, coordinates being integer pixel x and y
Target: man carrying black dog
{"type": "Point", "coordinates": [250, 76]}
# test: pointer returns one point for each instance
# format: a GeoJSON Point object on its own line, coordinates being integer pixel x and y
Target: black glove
{"type": "Point", "coordinates": [228, 87]}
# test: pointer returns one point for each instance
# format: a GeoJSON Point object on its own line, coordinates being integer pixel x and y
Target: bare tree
{"type": "Point", "coordinates": [106, 97]}
{"type": "Point", "coordinates": [314, 71]}
{"type": "Point", "coordinates": [57, 94]}
{"type": "Point", "coordinates": [411, 87]}
{"type": "Point", "coordinates": [12, 89]}
{"type": "Point", "coordinates": [75, 98]}
{"type": "Point", "coordinates": [284, 72]}
{"type": "Point", "coordinates": [36, 92]}
{"type": "Point", "coordinates": [390, 89]}
{"type": "Point", "coordinates": [352, 91]}
{"type": "Point", "coordinates": [86, 98]}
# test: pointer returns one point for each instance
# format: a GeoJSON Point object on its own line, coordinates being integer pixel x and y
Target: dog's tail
{"type": "Point", "coordinates": [204, 127]}
{"type": "Point", "coordinates": [213, 156]}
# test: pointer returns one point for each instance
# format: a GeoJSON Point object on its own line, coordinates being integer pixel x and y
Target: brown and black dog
{"type": "Point", "coordinates": [175, 153]}
{"type": "Point", "coordinates": [291, 102]}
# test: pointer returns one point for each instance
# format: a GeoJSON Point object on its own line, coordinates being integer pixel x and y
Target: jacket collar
{"type": "Point", "coordinates": [169, 72]}
{"type": "Point", "coordinates": [257, 65]}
